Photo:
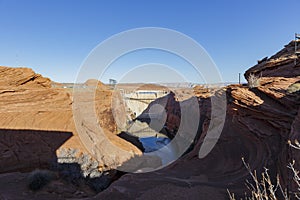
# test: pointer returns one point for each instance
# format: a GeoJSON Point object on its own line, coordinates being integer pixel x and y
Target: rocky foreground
{"type": "Point", "coordinates": [37, 122]}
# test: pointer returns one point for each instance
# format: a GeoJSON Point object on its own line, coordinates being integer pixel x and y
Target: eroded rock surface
{"type": "Point", "coordinates": [37, 120]}
{"type": "Point", "coordinates": [285, 63]}
{"type": "Point", "coordinates": [22, 77]}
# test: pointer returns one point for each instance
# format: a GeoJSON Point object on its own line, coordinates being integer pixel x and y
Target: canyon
{"type": "Point", "coordinates": [40, 121]}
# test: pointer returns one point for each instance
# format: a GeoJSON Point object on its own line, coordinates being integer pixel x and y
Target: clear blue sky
{"type": "Point", "coordinates": [54, 37]}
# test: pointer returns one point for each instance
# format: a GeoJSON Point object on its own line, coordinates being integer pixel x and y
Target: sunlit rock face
{"type": "Point", "coordinates": [37, 119]}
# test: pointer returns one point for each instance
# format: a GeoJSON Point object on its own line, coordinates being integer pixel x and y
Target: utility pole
{"type": "Point", "coordinates": [297, 53]}
{"type": "Point", "coordinates": [295, 61]}
{"type": "Point", "coordinates": [240, 78]}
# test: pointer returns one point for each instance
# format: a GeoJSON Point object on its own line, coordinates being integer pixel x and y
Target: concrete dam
{"type": "Point", "coordinates": [148, 134]}
{"type": "Point", "coordinates": [137, 101]}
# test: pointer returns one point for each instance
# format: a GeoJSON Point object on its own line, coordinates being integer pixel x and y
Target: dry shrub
{"type": "Point", "coordinates": [37, 179]}
{"type": "Point", "coordinates": [253, 81]}
{"type": "Point", "coordinates": [264, 189]}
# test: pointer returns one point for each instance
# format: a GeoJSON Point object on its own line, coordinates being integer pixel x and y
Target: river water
{"type": "Point", "coordinates": [154, 143]}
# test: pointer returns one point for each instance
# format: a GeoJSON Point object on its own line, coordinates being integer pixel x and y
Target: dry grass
{"type": "Point", "coordinates": [265, 189]}
{"type": "Point", "coordinates": [293, 88]}
{"type": "Point", "coordinates": [262, 189]}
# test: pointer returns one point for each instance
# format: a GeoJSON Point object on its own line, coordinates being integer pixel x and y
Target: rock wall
{"type": "Point", "coordinates": [22, 77]}
{"type": "Point", "coordinates": [37, 120]}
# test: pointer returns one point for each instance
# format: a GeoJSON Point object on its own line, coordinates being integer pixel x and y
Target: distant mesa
{"type": "Point", "coordinates": [142, 86]}
{"type": "Point", "coordinates": [95, 83]}
{"type": "Point", "coordinates": [152, 87]}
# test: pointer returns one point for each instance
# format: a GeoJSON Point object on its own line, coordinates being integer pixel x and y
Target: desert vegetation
{"type": "Point", "coordinates": [38, 178]}
{"type": "Point", "coordinates": [253, 81]}
{"type": "Point", "coordinates": [264, 188]}
{"type": "Point", "coordinates": [293, 88]}
{"type": "Point", "coordinates": [81, 169]}
{"type": "Point", "coordinates": [72, 167]}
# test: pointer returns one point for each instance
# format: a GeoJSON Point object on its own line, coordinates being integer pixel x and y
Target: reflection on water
{"type": "Point", "coordinates": [167, 150]}
{"type": "Point", "coordinates": [153, 143]}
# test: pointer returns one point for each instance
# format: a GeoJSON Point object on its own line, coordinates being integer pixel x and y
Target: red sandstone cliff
{"type": "Point", "coordinates": [36, 120]}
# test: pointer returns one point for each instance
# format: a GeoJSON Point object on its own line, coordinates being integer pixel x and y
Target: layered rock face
{"type": "Point", "coordinates": [22, 77]}
{"type": "Point", "coordinates": [37, 120]}
{"type": "Point", "coordinates": [258, 124]}
{"type": "Point", "coordinates": [285, 63]}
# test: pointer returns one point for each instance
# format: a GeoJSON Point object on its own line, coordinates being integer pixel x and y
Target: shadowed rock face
{"type": "Point", "coordinates": [258, 124]}
{"type": "Point", "coordinates": [24, 150]}
{"type": "Point", "coordinates": [132, 139]}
